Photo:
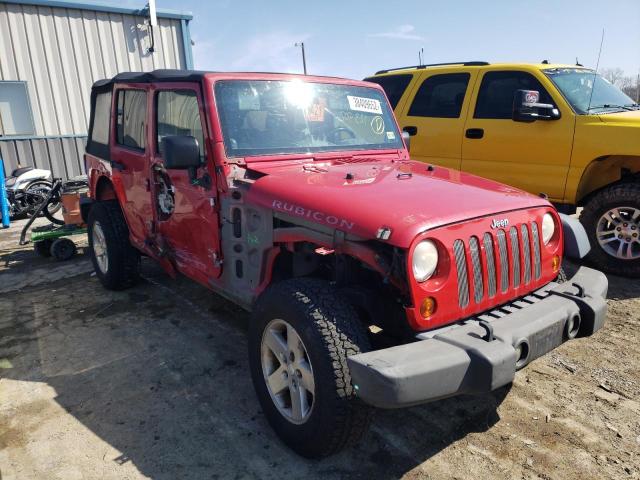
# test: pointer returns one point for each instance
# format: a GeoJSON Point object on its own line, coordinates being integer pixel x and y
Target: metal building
{"type": "Point", "coordinates": [52, 51]}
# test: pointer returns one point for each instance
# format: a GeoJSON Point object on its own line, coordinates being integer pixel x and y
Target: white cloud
{"type": "Point", "coordinates": [271, 52]}
{"type": "Point", "coordinates": [403, 32]}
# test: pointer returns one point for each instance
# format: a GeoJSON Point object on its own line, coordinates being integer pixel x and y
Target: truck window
{"type": "Point", "coordinates": [98, 141]}
{"type": "Point", "coordinates": [178, 114]}
{"type": "Point", "coordinates": [495, 97]}
{"type": "Point", "coordinates": [440, 96]}
{"type": "Point", "coordinates": [393, 85]}
{"type": "Point", "coordinates": [131, 120]}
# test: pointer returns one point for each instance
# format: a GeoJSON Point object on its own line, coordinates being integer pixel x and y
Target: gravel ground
{"type": "Point", "coordinates": [153, 383]}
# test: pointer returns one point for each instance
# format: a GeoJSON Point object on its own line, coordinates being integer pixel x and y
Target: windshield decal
{"type": "Point", "coordinates": [312, 214]}
{"type": "Point", "coordinates": [377, 125]}
{"type": "Point", "coordinates": [362, 104]}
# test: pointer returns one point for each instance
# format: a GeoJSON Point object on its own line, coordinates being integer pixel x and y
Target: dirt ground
{"type": "Point", "coordinates": [153, 383]}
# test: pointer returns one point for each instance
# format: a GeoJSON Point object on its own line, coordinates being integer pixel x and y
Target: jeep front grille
{"type": "Point", "coordinates": [493, 259]}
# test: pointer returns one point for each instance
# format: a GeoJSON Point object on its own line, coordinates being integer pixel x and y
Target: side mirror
{"type": "Point", "coordinates": [407, 139]}
{"type": "Point", "coordinates": [182, 152]}
{"type": "Point", "coordinates": [527, 107]}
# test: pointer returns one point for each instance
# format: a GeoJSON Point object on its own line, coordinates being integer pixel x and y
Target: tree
{"type": "Point", "coordinates": [628, 84]}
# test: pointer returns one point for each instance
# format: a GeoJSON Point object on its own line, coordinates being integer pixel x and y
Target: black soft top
{"type": "Point", "coordinates": [151, 77]}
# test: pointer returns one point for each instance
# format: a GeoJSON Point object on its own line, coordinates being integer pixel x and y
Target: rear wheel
{"type": "Point", "coordinates": [300, 336]}
{"type": "Point", "coordinates": [115, 260]}
{"type": "Point", "coordinates": [612, 221]}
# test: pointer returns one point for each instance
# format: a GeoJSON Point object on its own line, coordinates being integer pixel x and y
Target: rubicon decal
{"type": "Point", "coordinates": [312, 214]}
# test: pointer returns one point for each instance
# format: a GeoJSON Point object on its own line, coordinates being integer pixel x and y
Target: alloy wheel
{"type": "Point", "coordinates": [618, 233]}
{"type": "Point", "coordinates": [287, 371]}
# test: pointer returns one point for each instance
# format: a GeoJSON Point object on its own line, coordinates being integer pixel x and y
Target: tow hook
{"type": "Point", "coordinates": [568, 295]}
{"type": "Point", "coordinates": [488, 336]}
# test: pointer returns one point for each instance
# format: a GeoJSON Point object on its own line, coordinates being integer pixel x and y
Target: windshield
{"type": "Point", "coordinates": [576, 84]}
{"type": "Point", "coordinates": [261, 117]}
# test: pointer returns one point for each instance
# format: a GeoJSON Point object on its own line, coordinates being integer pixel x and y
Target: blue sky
{"type": "Point", "coordinates": [354, 38]}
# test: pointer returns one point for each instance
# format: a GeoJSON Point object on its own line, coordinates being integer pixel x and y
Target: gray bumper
{"type": "Point", "coordinates": [464, 358]}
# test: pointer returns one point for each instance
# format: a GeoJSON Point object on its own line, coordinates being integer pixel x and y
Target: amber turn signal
{"type": "Point", "coordinates": [555, 264]}
{"type": "Point", "coordinates": [428, 307]}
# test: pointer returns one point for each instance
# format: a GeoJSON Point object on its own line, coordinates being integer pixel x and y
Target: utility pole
{"type": "Point", "coordinates": [304, 58]}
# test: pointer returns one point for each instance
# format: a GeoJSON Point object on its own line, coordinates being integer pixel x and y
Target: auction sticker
{"type": "Point", "coordinates": [362, 104]}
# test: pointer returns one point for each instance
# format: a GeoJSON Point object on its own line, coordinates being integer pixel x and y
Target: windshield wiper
{"type": "Point", "coordinates": [610, 105]}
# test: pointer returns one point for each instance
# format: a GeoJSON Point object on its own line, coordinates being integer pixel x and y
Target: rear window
{"type": "Point", "coordinates": [98, 142]}
{"type": "Point", "coordinates": [393, 85]}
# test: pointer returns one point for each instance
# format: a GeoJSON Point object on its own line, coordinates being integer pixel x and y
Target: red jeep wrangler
{"type": "Point", "coordinates": [372, 280]}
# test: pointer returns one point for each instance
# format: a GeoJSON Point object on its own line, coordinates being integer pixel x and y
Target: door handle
{"type": "Point", "coordinates": [411, 130]}
{"type": "Point", "coordinates": [474, 133]}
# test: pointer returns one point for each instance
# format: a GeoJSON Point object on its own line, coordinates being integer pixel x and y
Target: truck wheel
{"type": "Point", "coordinates": [612, 221]}
{"type": "Point", "coordinates": [300, 336]}
{"type": "Point", "coordinates": [115, 261]}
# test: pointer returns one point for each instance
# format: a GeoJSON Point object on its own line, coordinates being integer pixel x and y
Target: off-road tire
{"type": "Point", "coordinates": [124, 260]}
{"type": "Point", "coordinates": [623, 194]}
{"type": "Point", "coordinates": [330, 330]}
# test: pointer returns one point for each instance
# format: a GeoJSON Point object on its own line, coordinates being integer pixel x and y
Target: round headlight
{"type": "Point", "coordinates": [425, 260]}
{"type": "Point", "coordinates": [548, 227]}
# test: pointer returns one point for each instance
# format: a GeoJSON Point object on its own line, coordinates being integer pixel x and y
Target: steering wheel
{"type": "Point", "coordinates": [335, 135]}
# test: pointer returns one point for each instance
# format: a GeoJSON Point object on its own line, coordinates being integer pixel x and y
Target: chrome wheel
{"type": "Point", "coordinates": [100, 247]}
{"type": "Point", "coordinates": [287, 371]}
{"type": "Point", "coordinates": [618, 233]}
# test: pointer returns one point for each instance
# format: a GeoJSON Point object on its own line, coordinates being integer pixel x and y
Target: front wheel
{"type": "Point", "coordinates": [612, 221]}
{"type": "Point", "coordinates": [300, 336]}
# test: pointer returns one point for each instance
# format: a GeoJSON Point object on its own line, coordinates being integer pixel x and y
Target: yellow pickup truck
{"type": "Point", "coordinates": [558, 130]}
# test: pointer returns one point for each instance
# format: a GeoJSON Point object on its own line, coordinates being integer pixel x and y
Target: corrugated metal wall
{"type": "Point", "coordinates": [61, 155]}
{"type": "Point", "coordinates": [60, 52]}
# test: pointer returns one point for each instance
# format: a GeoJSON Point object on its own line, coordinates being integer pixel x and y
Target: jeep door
{"type": "Point", "coordinates": [532, 156]}
{"type": "Point", "coordinates": [130, 157]}
{"type": "Point", "coordinates": [186, 212]}
{"type": "Point", "coordinates": [436, 116]}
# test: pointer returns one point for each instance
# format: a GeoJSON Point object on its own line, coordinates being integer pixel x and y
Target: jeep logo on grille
{"type": "Point", "coordinates": [499, 223]}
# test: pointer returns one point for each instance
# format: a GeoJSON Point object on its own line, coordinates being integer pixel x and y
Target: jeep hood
{"type": "Point", "coordinates": [360, 198]}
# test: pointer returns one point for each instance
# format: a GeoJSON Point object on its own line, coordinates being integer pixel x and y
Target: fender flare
{"type": "Point", "coordinates": [576, 241]}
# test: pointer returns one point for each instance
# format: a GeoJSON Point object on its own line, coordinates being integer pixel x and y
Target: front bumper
{"type": "Point", "coordinates": [466, 358]}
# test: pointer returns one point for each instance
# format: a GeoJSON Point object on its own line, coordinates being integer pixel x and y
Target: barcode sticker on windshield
{"type": "Point", "coordinates": [362, 104]}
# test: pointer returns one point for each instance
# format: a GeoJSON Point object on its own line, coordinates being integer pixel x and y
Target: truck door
{"type": "Point", "coordinates": [187, 218]}
{"type": "Point", "coordinates": [532, 156]}
{"type": "Point", "coordinates": [130, 157]}
{"type": "Point", "coordinates": [435, 118]}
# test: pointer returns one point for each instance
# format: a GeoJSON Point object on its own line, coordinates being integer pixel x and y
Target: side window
{"type": "Point", "coordinates": [178, 114]}
{"type": "Point", "coordinates": [100, 120]}
{"type": "Point", "coordinates": [131, 122]}
{"type": "Point", "coordinates": [495, 97]}
{"type": "Point", "coordinates": [393, 85]}
{"type": "Point", "coordinates": [440, 96]}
